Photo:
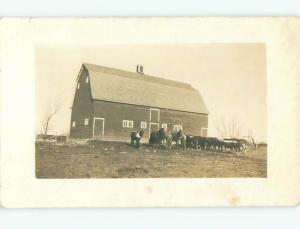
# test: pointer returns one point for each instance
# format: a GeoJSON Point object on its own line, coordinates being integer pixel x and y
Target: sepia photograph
{"type": "Point", "coordinates": [151, 111]}
{"type": "Point", "coordinates": [169, 120]}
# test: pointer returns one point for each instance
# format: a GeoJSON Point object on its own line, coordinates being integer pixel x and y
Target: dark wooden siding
{"type": "Point", "coordinates": [191, 122]}
{"type": "Point", "coordinates": [115, 113]}
{"type": "Point", "coordinates": [82, 108]}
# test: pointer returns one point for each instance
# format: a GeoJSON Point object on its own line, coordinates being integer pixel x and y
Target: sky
{"type": "Point", "coordinates": [231, 78]}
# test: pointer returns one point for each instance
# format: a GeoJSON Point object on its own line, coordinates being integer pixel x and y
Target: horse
{"type": "Point", "coordinates": [136, 137]}
{"type": "Point", "coordinates": [154, 138]}
{"type": "Point", "coordinates": [161, 137]}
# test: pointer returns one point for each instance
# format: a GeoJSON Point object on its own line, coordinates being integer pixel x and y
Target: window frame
{"type": "Point", "coordinates": [126, 123]}
{"type": "Point", "coordinates": [73, 124]}
{"type": "Point", "coordinates": [144, 125]}
{"type": "Point", "coordinates": [164, 126]}
{"type": "Point", "coordinates": [175, 127]}
{"type": "Point", "coordinates": [86, 121]}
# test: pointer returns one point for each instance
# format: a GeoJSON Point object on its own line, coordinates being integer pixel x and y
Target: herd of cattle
{"type": "Point", "coordinates": [163, 138]}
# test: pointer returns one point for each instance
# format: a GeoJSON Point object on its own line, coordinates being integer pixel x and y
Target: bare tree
{"type": "Point", "coordinates": [234, 127]}
{"type": "Point", "coordinates": [228, 128]}
{"type": "Point", "coordinates": [55, 105]}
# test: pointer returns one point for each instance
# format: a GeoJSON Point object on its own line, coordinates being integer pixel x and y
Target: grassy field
{"type": "Point", "coordinates": [120, 160]}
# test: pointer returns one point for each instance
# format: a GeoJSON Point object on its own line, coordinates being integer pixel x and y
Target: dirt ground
{"type": "Point", "coordinates": [120, 160]}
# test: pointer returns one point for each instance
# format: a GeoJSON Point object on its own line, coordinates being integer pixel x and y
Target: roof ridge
{"type": "Point", "coordinates": [138, 76]}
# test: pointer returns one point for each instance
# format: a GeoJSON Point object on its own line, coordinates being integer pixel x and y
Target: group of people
{"type": "Point", "coordinates": [159, 137]}
{"type": "Point", "coordinates": [165, 138]}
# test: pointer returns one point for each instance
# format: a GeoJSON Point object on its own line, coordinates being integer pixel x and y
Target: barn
{"type": "Point", "coordinates": [110, 103]}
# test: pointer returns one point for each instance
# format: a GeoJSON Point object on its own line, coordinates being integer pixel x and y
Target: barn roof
{"type": "Point", "coordinates": [121, 86]}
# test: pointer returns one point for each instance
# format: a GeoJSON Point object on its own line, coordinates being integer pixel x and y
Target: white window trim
{"type": "Point", "coordinates": [126, 123]}
{"type": "Point", "coordinates": [143, 125]}
{"type": "Point", "coordinates": [165, 126]}
{"type": "Point", "coordinates": [74, 124]}
{"type": "Point", "coordinates": [86, 121]}
{"type": "Point", "coordinates": [155, 109]}
{"type": "Point", "coordinates": [175, 127]}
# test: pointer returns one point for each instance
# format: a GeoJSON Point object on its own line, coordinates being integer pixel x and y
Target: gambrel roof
{"type": "Point", "coordinates": [121, 86]}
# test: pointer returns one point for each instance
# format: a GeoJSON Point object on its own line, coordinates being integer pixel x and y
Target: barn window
{"type": "Point", "coordinates": [78, 85]}
{"type": "Point", "coordinates": [73, 124]}
{"type": "Point", "coordinates": [86, 121]}
{"type": "Point", "coordinates": [144, 125]}
{"type": "Point", "coordinates": [128, 123]}
{"type": "Point", "coordinates": [177, 127]}
{"type": "Point", "coordinates": [164, 126]}
{"type": "Point", "coordinates": [87, 79]}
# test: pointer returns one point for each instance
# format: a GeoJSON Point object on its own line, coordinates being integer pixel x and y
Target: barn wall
{"type": "Point", "coordinates": [82, 108]}
{"type": "Point", "coordinates": [191, 122]}
{"type": "Point", "coordinates": [115, 113]}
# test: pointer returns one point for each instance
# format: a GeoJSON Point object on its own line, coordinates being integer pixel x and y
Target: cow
{"type": "Point", "coordinates": [233, 145]}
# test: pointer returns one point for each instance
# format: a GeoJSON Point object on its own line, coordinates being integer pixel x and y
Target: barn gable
{"type": "Point", "coordinates": [114, 85]}
{"type": "Point", "coordinates": [82, 108]}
